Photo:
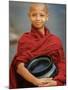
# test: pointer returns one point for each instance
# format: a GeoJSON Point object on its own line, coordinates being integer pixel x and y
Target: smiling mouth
{"type": "Point", "coordinates": [38, 22]}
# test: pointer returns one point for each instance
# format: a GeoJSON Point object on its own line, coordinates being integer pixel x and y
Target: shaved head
{"type": "Point", "coordinates": [35, 6]}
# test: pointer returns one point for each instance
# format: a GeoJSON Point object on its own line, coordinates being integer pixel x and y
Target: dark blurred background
{"type": "Point", "coordinates": [19, 23]}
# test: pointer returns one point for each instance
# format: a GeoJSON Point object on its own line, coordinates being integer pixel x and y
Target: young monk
{"type": "Point", "coordinates": [39, 41]}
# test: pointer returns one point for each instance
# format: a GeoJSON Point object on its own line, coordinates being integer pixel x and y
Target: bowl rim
{"type": "Point", "coordinates": [39, 59]}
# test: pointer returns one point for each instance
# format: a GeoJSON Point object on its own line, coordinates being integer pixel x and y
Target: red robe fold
{"type": "Point", "coordinates": [33, 44]}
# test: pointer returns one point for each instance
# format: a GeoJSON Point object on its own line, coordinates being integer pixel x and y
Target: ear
{"type": "Point", "coordinates": [29, 15]}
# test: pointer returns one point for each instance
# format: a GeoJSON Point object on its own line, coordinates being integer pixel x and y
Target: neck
{"type": "Point", "coordinates": [41, 30]}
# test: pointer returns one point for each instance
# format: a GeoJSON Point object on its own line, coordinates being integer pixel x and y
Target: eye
{"type": "Point", "coordinates": [42, 15]}
{"type": "Point", "coordinates": [34, 14]}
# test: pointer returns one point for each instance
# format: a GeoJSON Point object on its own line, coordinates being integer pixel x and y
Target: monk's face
{"type": "Point", "coordinates": [38, 15]}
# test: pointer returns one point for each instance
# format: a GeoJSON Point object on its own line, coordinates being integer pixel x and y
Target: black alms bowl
{"type": "Point", "coordinates": [42, 67]}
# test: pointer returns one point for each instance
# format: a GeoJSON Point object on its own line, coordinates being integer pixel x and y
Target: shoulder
{"type": "Point", "coordinates": [56, 39]}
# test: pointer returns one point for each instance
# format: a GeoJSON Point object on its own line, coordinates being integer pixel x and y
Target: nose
{"type": "Point", "coordinates": [38, 17]}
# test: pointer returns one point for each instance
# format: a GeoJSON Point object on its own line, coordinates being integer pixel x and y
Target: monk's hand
{"type": "Point", "coordinates": [42, 82]}
{"type": "Point", "coordinates": [49, 83]}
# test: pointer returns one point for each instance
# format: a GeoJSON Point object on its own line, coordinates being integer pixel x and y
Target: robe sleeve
{"type": "Point", "coordinates": [61, 76]}
{"type": "Point", "coordinates": [23, 54]}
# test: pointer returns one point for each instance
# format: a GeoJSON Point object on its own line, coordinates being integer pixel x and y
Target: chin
{"type": "Point", "coordinates": [38, 27]}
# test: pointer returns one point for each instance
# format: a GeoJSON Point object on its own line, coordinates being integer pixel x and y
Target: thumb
{"type": "Point", "coordinates": [51, 78]}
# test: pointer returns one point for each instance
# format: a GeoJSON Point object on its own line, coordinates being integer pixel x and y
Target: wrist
{"type": "Point", "coordinates": [35, 81]}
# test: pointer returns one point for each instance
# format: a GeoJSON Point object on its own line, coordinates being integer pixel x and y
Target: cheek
{"type": "Point", "coordinates": [44, 19]}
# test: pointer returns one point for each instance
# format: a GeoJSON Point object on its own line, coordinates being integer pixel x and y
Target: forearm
{"type": "Point", "coordinates": [21, 70]}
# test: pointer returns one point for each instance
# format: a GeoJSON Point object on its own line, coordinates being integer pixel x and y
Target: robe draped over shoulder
{"type": "Point", "coordinates": [31, 45]}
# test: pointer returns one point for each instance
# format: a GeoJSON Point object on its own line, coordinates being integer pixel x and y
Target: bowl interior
{"type": "Point", "coordinates": [39, 65]}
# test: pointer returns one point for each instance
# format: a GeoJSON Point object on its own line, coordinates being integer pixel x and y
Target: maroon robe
{"type": "Point", "coordinates": [33, 44]}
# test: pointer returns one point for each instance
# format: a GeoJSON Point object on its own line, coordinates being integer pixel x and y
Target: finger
{"type": "Point", "coordinates": [48, 78]}
{"type": "Point", "coordinates": [51, 78]}
{"type": "Point", "coordinates": [42, 85]}
{"type": "Point", "coordinates": [47, 81]}
{"type": "Point", "coordinates": [46, 85]}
